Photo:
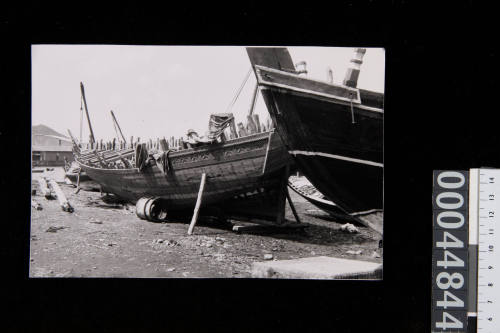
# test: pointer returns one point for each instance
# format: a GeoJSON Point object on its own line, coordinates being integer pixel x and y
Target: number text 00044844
{"type": "Point", "coordinates": [450, 251]}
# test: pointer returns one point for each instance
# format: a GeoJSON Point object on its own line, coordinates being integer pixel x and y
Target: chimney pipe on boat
{"type": "Point", "coordinates": [352, 74]}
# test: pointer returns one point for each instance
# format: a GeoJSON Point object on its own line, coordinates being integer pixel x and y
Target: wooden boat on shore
{"type": "Point", "coordinates": [243, 175]}
{"type": "Point", "coordinates": [73, 171]}
{"type": "Point", "coordinates": [306, 190]}
{"type": "Point", "coordinates": [334, 132]}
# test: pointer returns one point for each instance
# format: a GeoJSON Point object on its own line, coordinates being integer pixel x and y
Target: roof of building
{"type": "Point", "coordinates": [52, 148]}
{"type": "Point", "coordinates": [45, 130]}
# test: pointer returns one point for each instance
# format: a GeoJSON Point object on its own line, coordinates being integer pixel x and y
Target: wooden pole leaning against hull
{"type": "Point", "coordinates": [198, 204]}
{"type": "Point", "coordinates": [292, 206]}
{"type": "Point", "coordinates": [267, 152]}
{"type": "Point", "coordinates": [282, 196]}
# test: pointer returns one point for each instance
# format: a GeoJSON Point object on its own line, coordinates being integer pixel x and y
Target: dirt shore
{"type": "Point", "coordinates": [102, 239]}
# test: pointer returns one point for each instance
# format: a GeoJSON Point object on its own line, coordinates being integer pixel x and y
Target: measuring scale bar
{"type": "Point", "coordinates": [488, 264]}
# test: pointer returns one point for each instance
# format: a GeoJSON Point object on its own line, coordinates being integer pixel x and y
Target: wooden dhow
{"type": "Point", "coordinates": [334, 132]}
{"type": "Point", "coordinates": [244, 177]}
{"type": "Point", "coordinates": [251, 167]}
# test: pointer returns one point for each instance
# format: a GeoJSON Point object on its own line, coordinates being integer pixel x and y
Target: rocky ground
{"type": "Point", "coordinates": [107, 239]}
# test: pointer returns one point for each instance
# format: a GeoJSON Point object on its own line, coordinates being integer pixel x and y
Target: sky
{"type": "Point", "coordinates": [162, 91]}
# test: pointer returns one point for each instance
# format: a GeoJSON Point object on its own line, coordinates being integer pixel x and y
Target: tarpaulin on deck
{"type": "Point", "coordinates": [218, 123]}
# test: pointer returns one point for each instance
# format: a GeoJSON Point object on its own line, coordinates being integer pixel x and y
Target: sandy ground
{"type": "Point", "coordinates": [102, 239]}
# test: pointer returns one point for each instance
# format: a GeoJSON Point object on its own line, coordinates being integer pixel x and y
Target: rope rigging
{"type": "Point", "coordinates": [230, 106]}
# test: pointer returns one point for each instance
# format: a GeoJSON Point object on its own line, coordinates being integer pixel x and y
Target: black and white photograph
{"type": "Point", "coordinates": [194, 167]}
{"type": "Point", "coordinates": [207, 162]}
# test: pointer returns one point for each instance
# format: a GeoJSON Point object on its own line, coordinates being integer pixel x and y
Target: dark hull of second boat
{"type": "Point", "coordinates": [342, 159]}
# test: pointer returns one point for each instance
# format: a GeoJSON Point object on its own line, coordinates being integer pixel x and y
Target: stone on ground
{"type": "Point", "coordinates": [317, 268]}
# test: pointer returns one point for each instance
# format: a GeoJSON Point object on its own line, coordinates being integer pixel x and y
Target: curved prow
{"type": "Point", "coordinates": [271, 57]}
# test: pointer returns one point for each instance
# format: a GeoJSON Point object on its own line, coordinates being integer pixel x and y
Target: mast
{"type": "Point", "coordinates": [81, 118]}
{"type": "Point", "coordinates": [92, 137]}
{"type": "Point", "coordinates": [115, 122]}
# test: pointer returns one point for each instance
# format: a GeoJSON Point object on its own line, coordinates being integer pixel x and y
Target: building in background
{"type": "Point", "coordinates": [49, 148]}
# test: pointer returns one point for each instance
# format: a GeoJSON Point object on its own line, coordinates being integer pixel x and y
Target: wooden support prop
{"type": "Point", "coordinates": [61, 197]}
{"type": "Point", "coordinates": [44, 189]}
{"type": "Point", "coordinates": [78, 179]}
{"type": "Point", "coordinates": [282, 196]}
{"type": "Point", "coordinates": [78, 182]}
{"type": "Point", "coordinates": [198, 204]}
{"type": "Point", "coordinates": [267, 152]}
{"type": "Point", "coordinates": [292, 206]}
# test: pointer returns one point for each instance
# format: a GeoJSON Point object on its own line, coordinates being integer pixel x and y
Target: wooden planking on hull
{"type": "Point", "coordinates": [334, 132]}
{"type": "Point", "coordinates": [311, 125]}
{"type": "Point", "coordinates": [233, 169]}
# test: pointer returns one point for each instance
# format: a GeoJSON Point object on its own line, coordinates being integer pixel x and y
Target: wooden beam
{"type": "Point", "coordinates": [44, 189]}
{"type": "Point", "coordinates": [65, 205]}
{"type": "Point", "coordinates": [254, 99]}
{"type": "Point", "coordinates": [292, 206]}
{"type": "Point", "coordinates": [117, 125]}
{"type": "Point", "coordinates": [198, 204]}
{"type": "Point", "coordinates": [267, 152]}
{"type": "Point", "coordinates": [78, 182]}
{"type": "Point", "coordinates": [282, 196]}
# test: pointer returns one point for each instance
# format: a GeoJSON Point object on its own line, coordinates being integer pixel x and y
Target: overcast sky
{"type": "Point", "coordinates": [158, 91]}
